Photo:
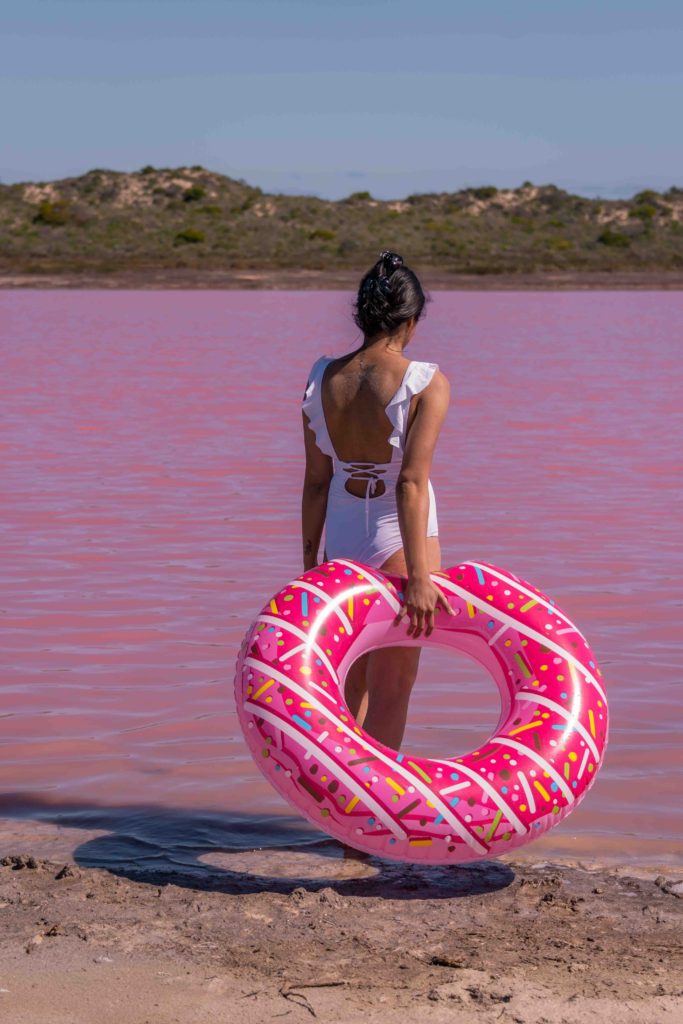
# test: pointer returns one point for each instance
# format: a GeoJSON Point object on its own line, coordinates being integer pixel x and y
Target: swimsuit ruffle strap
{"type": "Point", "coordinates": [312, 406]}
{"type": "Point", "coordinates": [416, 380]}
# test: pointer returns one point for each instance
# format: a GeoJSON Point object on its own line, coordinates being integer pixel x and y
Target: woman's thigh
{"type": "Point", "coordinates": [398, 665]}
{"type": "Point", "coordinates": [396, 562]}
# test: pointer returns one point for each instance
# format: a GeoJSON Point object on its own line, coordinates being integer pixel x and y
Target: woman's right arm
{"type": "Point", "coordinates": [421, 597]}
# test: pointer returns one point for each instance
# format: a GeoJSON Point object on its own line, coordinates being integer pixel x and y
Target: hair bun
{"type": "Point", "coordinates": [391, 261]}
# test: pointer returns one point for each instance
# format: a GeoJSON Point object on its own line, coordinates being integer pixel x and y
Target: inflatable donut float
{"type": "Point", "coordinates": [537, 766]}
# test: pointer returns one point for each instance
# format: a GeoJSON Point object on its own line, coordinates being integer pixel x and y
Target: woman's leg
{"type": "Point", "coordinates": [391, 671]}
{"type": "Point", "coordinates": [356, 690]}
{"type": "Point", "coordinates": [378, 685]}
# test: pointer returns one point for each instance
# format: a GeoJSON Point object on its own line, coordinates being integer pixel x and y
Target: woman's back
{"type": "Point", "coordinates": [355, 394]}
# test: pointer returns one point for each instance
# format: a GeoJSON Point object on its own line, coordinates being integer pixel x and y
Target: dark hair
{"type": "Point", "coordinates": [389, 294]}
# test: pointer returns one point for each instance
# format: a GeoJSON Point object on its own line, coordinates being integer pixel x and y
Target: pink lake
{"type": "Point", "coordinates": [151, 471]}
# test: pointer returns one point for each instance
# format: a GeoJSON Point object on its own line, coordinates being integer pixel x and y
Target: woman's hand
{"type": "Point", "coordinates": [421, 599]}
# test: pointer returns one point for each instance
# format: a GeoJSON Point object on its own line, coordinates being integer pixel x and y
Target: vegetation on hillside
{"type": "Point", "coordinates": [106, 221]}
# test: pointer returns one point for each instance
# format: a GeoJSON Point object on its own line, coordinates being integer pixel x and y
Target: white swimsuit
{"type": "Point", "coordinates": [366, 529]}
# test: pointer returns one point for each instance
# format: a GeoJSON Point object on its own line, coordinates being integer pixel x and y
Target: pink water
{"type": "Point", "coordinates": [151, 470]}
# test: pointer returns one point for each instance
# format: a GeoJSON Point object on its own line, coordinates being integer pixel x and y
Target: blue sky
{"type": "Point", "coordinates": [334, 96]}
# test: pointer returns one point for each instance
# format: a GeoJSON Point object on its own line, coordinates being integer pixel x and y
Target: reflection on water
{"type": "Point", "coordinates": [151, 469]}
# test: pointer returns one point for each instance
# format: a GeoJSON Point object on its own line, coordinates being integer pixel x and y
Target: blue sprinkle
{"type": "Point", "coordinates": [308, 713]}
{"type": "Point", "coordinates": [277, 769]}
{"type": "Point", "coordinates": [318, 661]}
{"type": "Point", "coordinates": [480, 575]}
{"type": "Point", "coordinates": [592, 664]}
{"type": "Point", "coordinates": [438, 819]}
{"type": "Point", "coordinates": [455, 801]}
{"type": "Point", "coordinates": [399, 594]}
{"type": "Point", "coordinates": [348, 572]}
{"type": "Point", "coordinates": [392, 840]}
{"type": "Point", "coordinates": [302, 722]}
{"type": "Point", "coordinates": [316, 600]}
{"type": "Point", "coordinates": [455, 776]}
{"type": "Point", "coordinates": [503, 789]}
{"type": "Point", "coordinates": [371, 821]}
{"type": "Point", "coordinates": [563, 696]}
{"type": "Point", "coordinates": [554, 787]}
{"type": "Point", "coordinates": [271, 629]}
{"type": "Point", "coordinates": [574, 784]}
{"type": "Point", "coordinates": [561, 728]}
{"type": "Point", "coordinates": [490, 624]}
{"type": "Point", "coordinates": [399, 758]}
{"type": "Point", "coordinates": [366, 768]}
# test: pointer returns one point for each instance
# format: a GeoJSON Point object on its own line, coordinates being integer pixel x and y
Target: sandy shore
{"type": "Point", "coordinates": [356, 941]}
{"type": "Point", "coordinates": [347, 280]}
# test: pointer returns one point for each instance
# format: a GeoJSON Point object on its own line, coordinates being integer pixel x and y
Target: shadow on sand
{"type": "Point", "coordinates": [241, 854]}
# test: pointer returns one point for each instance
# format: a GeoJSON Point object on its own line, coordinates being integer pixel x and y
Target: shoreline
{"type": "Point", "coordinates": [338, 279]}
{"type": "Point", "coordinates": [366, 940]}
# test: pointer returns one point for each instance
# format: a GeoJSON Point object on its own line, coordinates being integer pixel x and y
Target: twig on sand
{"type": "Point", "coordinates": [290, 992]}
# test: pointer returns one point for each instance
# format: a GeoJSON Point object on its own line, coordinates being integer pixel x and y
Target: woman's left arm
{"type": "Point", "coordinates": [314, 496]}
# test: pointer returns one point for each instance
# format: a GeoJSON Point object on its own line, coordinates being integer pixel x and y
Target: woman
{"type": "Point", "coordinates": [377, 503]}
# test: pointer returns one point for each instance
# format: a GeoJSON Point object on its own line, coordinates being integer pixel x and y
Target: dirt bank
{"type": "Point", "coordinates": [346, 280]}
{"type": "Point", "coordinates": [362, 941]}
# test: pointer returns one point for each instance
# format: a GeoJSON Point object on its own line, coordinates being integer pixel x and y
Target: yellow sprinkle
{"type": "Point", "coordinates": [266, 686]}
{"type": "Point", "coordinates": [541, 789]}
{"type": "Point", "coordinates": [420, 842]}
{"type": "Point", "coordinates": [470, 610]}
{"type": "Point", "coordinates": [273, 607]}
{"type": "Point", "coordinates": [521, 728]}
{"type": "Point", "coordinates": [523, 665]}
{"type": "Point", "coordinates": [591, 722]}
{"type": "Point", "coordinates": [527, 606]}
{"type": "Point", "coordinates": [305, 670]}
{"type": "Point", "coordinates": [419, 771]}
{"type": "Point", "coordinates": [394, 785]}
{"type": "Point", "coordinates": [494, 825]}
{"type": "Point", "coordinates": [351, 804]}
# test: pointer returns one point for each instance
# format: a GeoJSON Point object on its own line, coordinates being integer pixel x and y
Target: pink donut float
{"type": "Point", "coordinates": [537, 766]}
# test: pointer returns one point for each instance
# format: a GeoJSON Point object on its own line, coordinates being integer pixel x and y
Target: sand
{"type": "Point", "coordinates": [297, 935]}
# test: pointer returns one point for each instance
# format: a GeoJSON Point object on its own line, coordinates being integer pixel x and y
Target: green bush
{"type": "Point", "coordinates": [613, 239]}
{"type": "Point", "coordinates": [647, 196]}
{"type": "Point", "coordinates": [325, 234]}
{"type": "Point", "coordinates": [358, 196]}
{"type": "Point", "coordinates": [645, 212]}
{"type": "Point", "coordinates": [560, 243]}
{"type": "Point", "coordinates": [194, 193]}
{"type": "Point", "coordinates": [53, 213]}
{"type": "Point", "coordinates": [211, 211]}
{"type": "Point", "coordinates": [484, 192]}
{"type": "Point", "coordinates": [148, 169]}
{"type": "Point", "coordinates": [190, 236]}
